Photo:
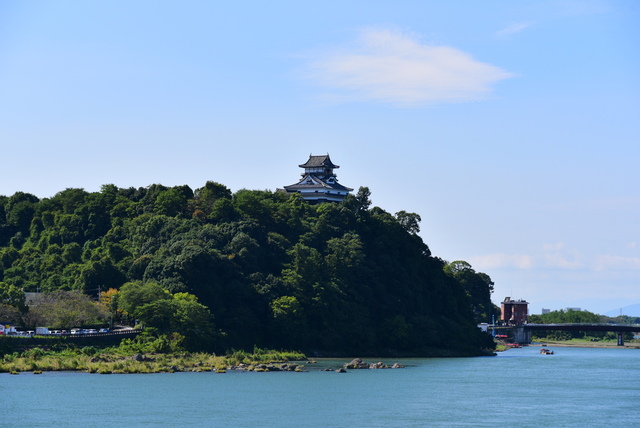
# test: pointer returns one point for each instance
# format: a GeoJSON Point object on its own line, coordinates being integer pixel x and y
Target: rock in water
{"type": "Point", "coordinates": [356, 363]}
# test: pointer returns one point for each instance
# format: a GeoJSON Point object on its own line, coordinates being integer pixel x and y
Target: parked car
{"type": "Point", "coordinates": [103, 330]}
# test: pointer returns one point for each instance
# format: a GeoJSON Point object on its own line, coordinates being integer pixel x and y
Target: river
{"type": "Point", "coordinates": [575, 387]}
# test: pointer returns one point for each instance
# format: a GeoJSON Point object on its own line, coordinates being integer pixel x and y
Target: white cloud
{"type": "Point", "coordinates": [562, 261]}
{"type": "Point", "coordinates": [616, 262]}
{"type": "Point", "coordinates": [553, 247]}
{"type": "Point", "coordinates": [392, 67]}
{"type": "Point", "coordinates": [555, 256]}
{"type": "Point", "coordinates": [513, 29]}
{"type": "Point", "coordinates": [501, 260]}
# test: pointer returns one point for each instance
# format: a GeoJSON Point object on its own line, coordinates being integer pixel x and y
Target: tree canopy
{"type": "Point", "coordinates": [250, 268]}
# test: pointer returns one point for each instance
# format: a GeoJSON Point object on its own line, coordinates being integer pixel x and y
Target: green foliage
{"type": "Point", "coordinates": [409, 221]}
{"type": "Point", "coordinates": [89, 350]}
{"type": "Point", "coordinates": [151, 343]}
{"type": "Point", "coordinates": [12, 296]}
{"type": "Point", "coordinates": [261, 356]}
{"type": "Point", "coordinates": [569, 316]}
{"type": "Point", "coordinates": [270, 269]}
{"type": "Point", "coordinates": [134, 295]}
{"type": "Point", "coordinates": [170, 202]}
{"type": "Point", "coordinates": [478, 287]}
{"type": "Point", "coordinates": [181, 313]}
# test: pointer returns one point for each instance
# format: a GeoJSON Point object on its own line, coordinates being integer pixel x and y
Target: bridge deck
{"type": "Point", "coordinates": [618, 328]}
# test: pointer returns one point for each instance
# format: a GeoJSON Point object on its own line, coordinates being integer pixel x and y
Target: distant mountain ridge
{"type": "Point", "coordinates": [630, 310]}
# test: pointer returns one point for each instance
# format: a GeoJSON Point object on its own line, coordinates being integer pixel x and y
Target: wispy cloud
{"type": "Point", "coordinates": [513, 29]}
{"type": "Point", "coordinates": [501, 260]}
{"type": "Point", "coordinates": [555, 256]}
{"type": "Point", "coordinates": [616, 262]}
{"type": "Point", "coordinates": [397, 68]}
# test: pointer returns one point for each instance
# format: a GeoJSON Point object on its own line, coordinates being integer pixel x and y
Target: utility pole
{"type": "Point", "coordinates": [493, 325]}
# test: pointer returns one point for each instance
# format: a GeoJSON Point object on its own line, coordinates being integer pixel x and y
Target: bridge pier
{"type": "Point", "coordinates": [620, 339]}
{"type": "Point", "coordinates": [521, 335]}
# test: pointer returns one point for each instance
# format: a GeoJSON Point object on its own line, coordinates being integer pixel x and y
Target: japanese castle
{"type": "Point", "coordinates": [319, 183]}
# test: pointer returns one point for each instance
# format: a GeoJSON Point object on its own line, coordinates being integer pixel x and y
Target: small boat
{"type": "Point", "coordinates": [546, 351]}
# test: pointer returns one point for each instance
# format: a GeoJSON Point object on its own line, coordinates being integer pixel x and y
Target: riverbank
{"type": "Point", "coordinates": [587, 344]}
{"type": "Point", "coordinates": [89, 359]}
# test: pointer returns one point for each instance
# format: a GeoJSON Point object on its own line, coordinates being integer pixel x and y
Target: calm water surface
{"type": "Point", "coordinates": [573, 388]}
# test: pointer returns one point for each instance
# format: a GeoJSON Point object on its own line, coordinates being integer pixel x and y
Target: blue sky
{"type": "Point", "coordinates": [510, 127]}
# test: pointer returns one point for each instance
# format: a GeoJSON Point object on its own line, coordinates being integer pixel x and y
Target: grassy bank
{"type": "Point", "coordinates": [110, 360]}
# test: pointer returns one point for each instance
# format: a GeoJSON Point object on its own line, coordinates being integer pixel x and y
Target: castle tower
{"type": "Point", "coordinates": [319, 183]}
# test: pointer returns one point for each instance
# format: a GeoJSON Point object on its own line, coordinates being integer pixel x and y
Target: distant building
{"type": "Point", "coordinates": [573, 309]}
{"type": "Point", "coordinates": [7, 328]}
{"type": "Point", "coordinates": [514, 311]}
{"type": "Point", "coordinates": [319, 183]}
{"type": "Point", "coordinates": [546, 311]}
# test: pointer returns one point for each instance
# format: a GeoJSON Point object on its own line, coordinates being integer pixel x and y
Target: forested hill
{"type": "Point", "coordinates": [273, 270]}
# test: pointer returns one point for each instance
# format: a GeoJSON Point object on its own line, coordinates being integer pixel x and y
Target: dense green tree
{"type": "Point", "coordinates": [409, 221]}
{"type": "Point", "coordinates": [181, 313]}
{"type": "Point", "coordinates": [272, 269]}
{"type": "Point", "coordinates": [99, 274]}
{"type": "Point", "coordinates": [20, 215]}
{"type": "Point", "coordinates": [136, 294]}
{"type": "Point", "coordinates": [69, 200]}
{"type": "Point", "coordinates": [171, 202]}
{"type": "Point", "coordinates": [362, 200]}
{"type": "Point", "coordinates": [210, 195]}
{"type": "Point", "coordinates": [569, 316]}
{"type": "Point", "coordinates": [478, 287]}
{"type": "Point", "coordinates": [12, 296]}
{"type": "Point", "coordinates": [290, 322]}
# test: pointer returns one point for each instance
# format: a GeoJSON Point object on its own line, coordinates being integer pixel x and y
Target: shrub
{"type": "Point", "coordinates": [89, 351]}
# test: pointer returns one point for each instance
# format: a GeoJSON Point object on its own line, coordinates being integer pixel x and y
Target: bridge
{"type": "Point", "coordinates": [522, 333]}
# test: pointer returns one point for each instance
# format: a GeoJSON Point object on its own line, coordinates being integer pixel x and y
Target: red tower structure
{"type": "Point", "coordinates": [514, 311]}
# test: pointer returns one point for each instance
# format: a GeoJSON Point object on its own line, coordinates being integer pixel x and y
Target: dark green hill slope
{"type": "Point", "coordinates": [273, 270]}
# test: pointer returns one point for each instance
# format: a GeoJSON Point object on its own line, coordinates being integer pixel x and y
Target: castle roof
{"type": "Point", "coordinates": [317, 161]}
{"type": "Point", "coordinates": [310, 182]}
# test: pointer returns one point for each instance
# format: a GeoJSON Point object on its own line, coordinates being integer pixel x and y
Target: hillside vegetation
{"type": "Point", "coordinates": [252, 268]}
